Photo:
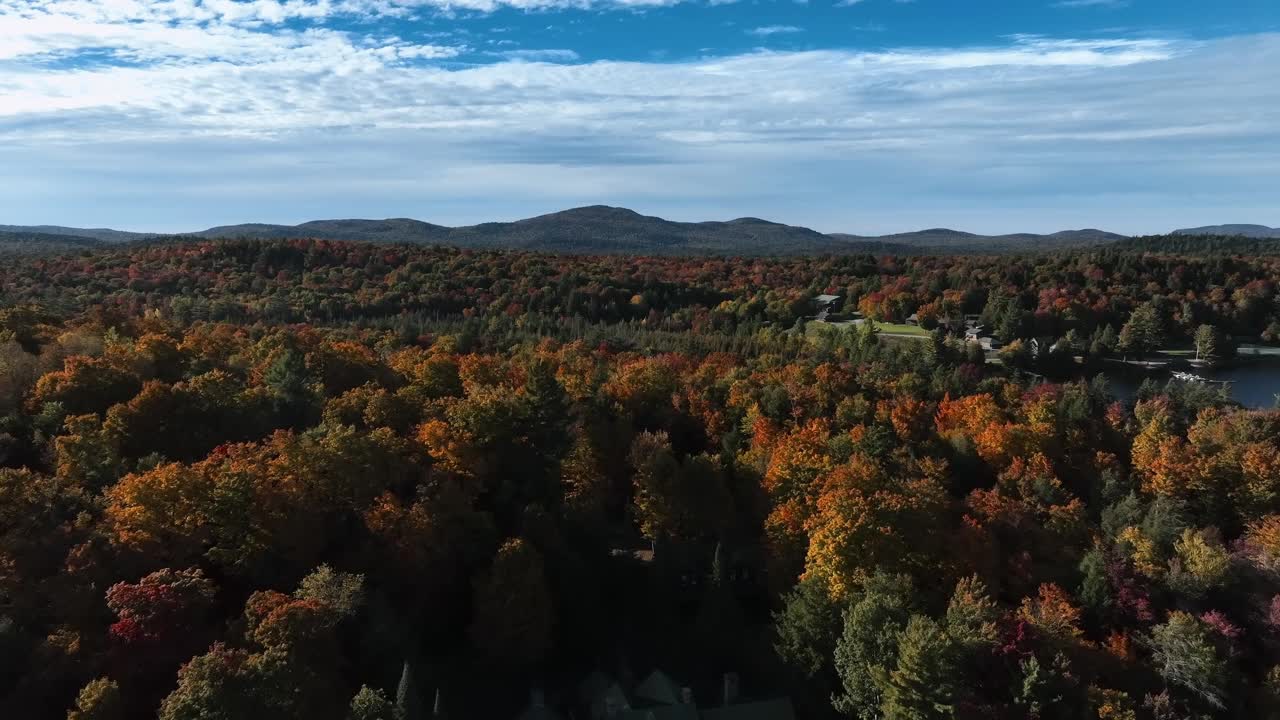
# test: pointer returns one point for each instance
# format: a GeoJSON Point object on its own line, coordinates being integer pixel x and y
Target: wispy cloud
{"type": "Point", "coordinates": [1091, 3]}
{"type": "Point", "coordinates": [768, 30]}
{"type": "Point", "coordinates": [547, 55]}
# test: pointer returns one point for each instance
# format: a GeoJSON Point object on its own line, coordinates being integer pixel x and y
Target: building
{"type": "Point", "coordinates": [825, 305]}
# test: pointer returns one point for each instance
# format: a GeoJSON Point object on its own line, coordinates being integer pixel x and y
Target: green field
{"type": "Point", "coordinates": [885, 328]}
{"type": "Point", "coordinates": [895, 329]}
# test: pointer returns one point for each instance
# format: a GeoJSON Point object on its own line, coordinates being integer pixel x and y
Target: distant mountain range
{"type": "Point", "coordinates": [593, 230]}
{"type": "Point", "coordinates": [1250, 231]}
{"type": "Point", "coordinates": [100, 234]}
{"type": "Point", "coordinates": [956, 241]}
{"type": "Point", "coordinates": [609, 230]}
{"type": "Point", "coordinates": [25, 242]}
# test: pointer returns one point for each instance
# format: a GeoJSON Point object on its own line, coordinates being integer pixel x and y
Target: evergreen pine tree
{"type": "Point", "coordinates": [921, 687]}
{"type": "Point", "coordinates": [408, 701]}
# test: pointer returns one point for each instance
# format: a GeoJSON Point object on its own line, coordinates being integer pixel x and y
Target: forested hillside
{"type": "Point", "coordinates": [944, 241]}
{"type": "Point", "coordinates": [1253, 231]}
{"type": "Point", "coordinates": [1205, 243]}
{"type": "Point", "coordinates": [604, 230]}
{"type": "Point", "coordinates": [326, 479]}
{"type": "Point", "coordinates": [599, 229]}
{"type": "Point", "coordinates": [33, 243]}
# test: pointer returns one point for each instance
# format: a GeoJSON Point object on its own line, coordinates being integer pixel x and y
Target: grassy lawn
{"type": "Point", "coordinates": [896, 329]}
{"type": "Point", "coordinates": [887, 328]}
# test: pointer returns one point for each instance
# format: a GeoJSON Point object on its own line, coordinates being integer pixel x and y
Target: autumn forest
{"type": "Point", "coordinates": [349, 481]}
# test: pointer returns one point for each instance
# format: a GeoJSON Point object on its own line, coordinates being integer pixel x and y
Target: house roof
{"type": "Point", "coordinates": [658, 687]}
{"type": "Point", "coordinates": [775, 709]}
{"type": "Point", "coordinates": [827, 298]}
{"type": "Point", "coordinates": [613, 697]}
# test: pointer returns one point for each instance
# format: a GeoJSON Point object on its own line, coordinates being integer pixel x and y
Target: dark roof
{"type": "Point", "coordinates": [659, 688]}
{"type": "Point", "coordinates": [605, 698]}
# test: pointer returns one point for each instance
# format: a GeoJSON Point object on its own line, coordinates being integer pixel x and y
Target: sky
{"type": "Point", "coordinates": [858, 116]}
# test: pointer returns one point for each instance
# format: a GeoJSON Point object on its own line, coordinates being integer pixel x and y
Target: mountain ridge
{"type": "Point", "coordinates": [25, 242]}
{"type": "Point", "coordinates": [603, 229]}
{"type": "Point", "coordinates": [100, 234]}
{"type": "Point", "coordinates": [1249, 231]}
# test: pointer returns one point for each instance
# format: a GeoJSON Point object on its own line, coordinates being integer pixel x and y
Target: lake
{"type": "Point", "coordinates": [1254, 384]}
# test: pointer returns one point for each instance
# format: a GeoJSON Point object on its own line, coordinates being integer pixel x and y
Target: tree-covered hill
{"type": "Point", "coordinates": [105, 235]}
{"type": "Point", "coordinates": [944, 241]}
{"type": "Point", "coordinates": [601, 230]}
{"type": "Point", "coordinates": [1253, 231]}
{"type": "Point", "coordinates": [34, 243]}
{"type": "Point", "coordinates": [592, 230]}
{"type": "Point", "coordinates": [1195, 244]}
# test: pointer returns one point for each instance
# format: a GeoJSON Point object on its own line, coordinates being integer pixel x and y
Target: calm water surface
{"type": "Point", "coordinates": [1254, 385]}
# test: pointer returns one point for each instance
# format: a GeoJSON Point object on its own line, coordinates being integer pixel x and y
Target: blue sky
{"type": "Point", "coordinates": [868, 117]}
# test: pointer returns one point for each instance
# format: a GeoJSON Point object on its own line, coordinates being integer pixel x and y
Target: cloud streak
{"type": "Point", "coordinates": [768, 30]}
{"type": "Point", "coordinates": [1091, 3]}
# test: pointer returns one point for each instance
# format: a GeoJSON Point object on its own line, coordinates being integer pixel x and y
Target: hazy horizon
{"type": "Point", "coordinates": [691, 218]}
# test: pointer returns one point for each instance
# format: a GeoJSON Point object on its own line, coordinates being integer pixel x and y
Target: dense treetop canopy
{"type": "Point", "coordinates": [324, 479]}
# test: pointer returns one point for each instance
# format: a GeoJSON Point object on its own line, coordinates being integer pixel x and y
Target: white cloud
{"type": "Point", "coordinates": [212, 100]}
{"type": "Point", "coordinates": [321, 79]}
{"type": "Point", "coordinates": [768, 30]}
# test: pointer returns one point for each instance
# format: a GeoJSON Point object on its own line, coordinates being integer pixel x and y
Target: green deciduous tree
{"type": "Point", "coordinates": [1144, 333]}
{"type": "Point", "coordinates": [99, 700]}
{"type": "Point", "coordinates": [868, 645]}
{"type": "Point", "coordinates": [1185, 656]}
{"type": "Point", "coordinates": [344, 592]}
{"type": "Point", "coordinates": [370, 704]}
{"type": "Point", "coordinates": [807, 627]}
